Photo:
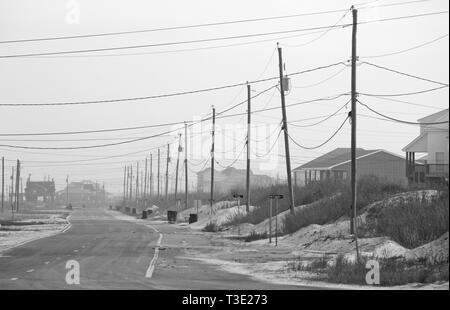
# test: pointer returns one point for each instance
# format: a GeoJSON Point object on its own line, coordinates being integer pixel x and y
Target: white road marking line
{"type": "Point", "coordinates": [152, 265]}
{"type": "Point", "coordinates": [75, 250]}
{"type": "Point", "coordinates": [31, 270]}
{"type": "Point", "coordinates": [14, 279]}
{"type": "Point", "coordinates": [47, 263]}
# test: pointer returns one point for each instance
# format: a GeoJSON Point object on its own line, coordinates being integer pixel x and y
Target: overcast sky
{"type": "Point", "coordinates": [176, 68]}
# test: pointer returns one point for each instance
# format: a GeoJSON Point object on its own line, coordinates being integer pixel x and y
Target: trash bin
{"type": "Point", "coordinates": [171, 216]}
{"type": "Point", "coordinates": [133, 211]}
{"type": "Point", "coordinates": [144, 214]}
{"type": "Point", "coordinates": [193, 218]}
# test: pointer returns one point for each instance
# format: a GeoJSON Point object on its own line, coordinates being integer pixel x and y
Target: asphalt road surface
{"type": "Point", "coordinates": [117, 254]}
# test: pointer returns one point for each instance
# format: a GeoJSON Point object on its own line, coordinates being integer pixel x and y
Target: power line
{"type": "Point", "coordinates": [323, 120]}
{"type": "Point", "coordinates": [217, 38]}
{"type": "Point", "coordinates": [325, 142]}
{"type": "Point", "coordinates": [399, 120]}
{"type": "Point", "coordinates": [404, 94]}
{"type": "Point", "coordinates": [406, 50]}
{"type": "Point", "coordinates": [194, 25]}
{"type": "Point", "coordinates": [169, 94]}
{"type": "Point", "coordinates": [406, 102]}
{"type": "Point", "coordinates": [403, 73]}
{"type": "Point", "coordinates": [171, 28]}
{"type": "Point", "coordinates": [273, 145]}
{"type": "Point", "coordinates": [234, 161]}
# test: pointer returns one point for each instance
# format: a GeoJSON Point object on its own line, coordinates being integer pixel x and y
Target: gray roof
{"type": "Point", "coordinates": [335, 157]}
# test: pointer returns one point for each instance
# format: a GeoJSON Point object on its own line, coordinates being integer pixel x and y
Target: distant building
{"type": "Point", "coordinates": [40, 191]}
{"type": "Point", "coordinates": [336, 165]}
{"type": "Point", "coordinates": [432, 143]}
{"type": "Point", "coordinates": [230, 179]}
{"type": "Point", "coordinates": [84, 192]}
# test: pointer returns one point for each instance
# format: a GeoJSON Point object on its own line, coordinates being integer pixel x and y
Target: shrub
{"type": "Point", "coordinates": [211, 227]}
{"type": "Point", "coordinates": [415, 222]}
{"type": "Point", "coordinates": [370, 189]}
{"type": "Point", "coordinates": [392, 272]}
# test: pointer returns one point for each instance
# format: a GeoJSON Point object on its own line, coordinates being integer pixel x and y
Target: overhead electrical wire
{"type": "Point", "coordinates": [405, 102]}
{"type": "Point", "coordinates": [249, 20]}
{"type": "Point", "coordinates": [404, 74]}
{"type": "Point", "coordinates": [405, 50]}
{"type": "Point", "coordinates": [271, 148]}
{"type": "Point", "coordinates": [404, 94]}
{"type": "Point", "coordinates": [217, 38]}
{"type": "Point", "coordinates": [189, 92]}
{"type": "Point", "coordinates": [399, 120]}
{"type": "Point", "coordinates": [323, 120]}
{"type": "Point", "coordinates": [325, 142]}
{"type": "Point", "coordinates": [235, 160]}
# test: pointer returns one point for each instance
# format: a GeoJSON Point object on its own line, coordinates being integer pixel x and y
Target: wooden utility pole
{"type": "Point", "coordinates": [12, 190]}
{"type": "Point", "coordinates": [211, 199]}
{"type": "Point", "coordinates": [131, 183]}
{"type": "Point", "coordinates": [150, 190]}
{"type": "Point", "coordinates": [3, 183]}
{"type": "Point", "coordinates": [178, 164]}
{"type": "Point", "coordinates": [17, 185]}
{"type": "Point", "coordinates": [185, 168]}
{"type": "Point", "coordinates": [159, 163]}
{"type": "Point", "coordinates": [145, 184]}
{"type": "Point", "coordinates": [167, 172]}
{"type": "Point", "coordinates": [137, 184]}
{"type": "Point", "coordinates": [353, 225]}
{"type": "Point", "coordinates": [67, 191]}
{"type": "Point", "coordinates": [285, 129]}
{"type": "Point", "coordinates": [124, 182]}
{"type": "Point", "coordinates": [247, 206]}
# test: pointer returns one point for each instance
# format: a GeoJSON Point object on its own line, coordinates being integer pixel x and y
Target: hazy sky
{"type": "Point", "coordinates": [166, 69]}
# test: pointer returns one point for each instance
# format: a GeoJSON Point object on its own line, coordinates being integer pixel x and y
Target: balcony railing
{"type": "Point", "coordinates": [437, 170]}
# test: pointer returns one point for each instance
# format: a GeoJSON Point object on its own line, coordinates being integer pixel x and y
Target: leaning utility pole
{"type": "Point", "coordinates": [285, 129]}
{"type": "Point", "coordinates": [211, 199]}
{"type": "Point", "coordinates": [353, 225]}
{"type": "Point", "coordinates": [159, 161]}
{"type": "Point", "coordinates": [178, 164]}
{"type": "Point", "coordinates": [185, 167]}
{"type": "Point", "coordinates": [247, 206]}
{"type": "Point", "coordinates": [3, 182]}
{"type": "Point", "coordinates": [167, 171]}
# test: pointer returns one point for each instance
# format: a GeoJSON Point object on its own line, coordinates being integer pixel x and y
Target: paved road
{"type": "Point", "coordinates": [116, 254]}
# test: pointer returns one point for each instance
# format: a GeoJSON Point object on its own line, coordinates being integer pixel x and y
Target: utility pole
{"type": "Point", "coordinates": [12, 190]}
{"type": "Point", "coordinates": [67, 191]}
{"type": "Point", "coordinates": [353, 225]}
{"type": "Point", "coordinates": [285, 129]}
{"type": "Point", "coordinates": [159, 163]}
{"type": "Point", "coordinates": [211, 199]}
{"type": "Point", "coordinates": [185, 167]}
{"type": "Point", "coordinates": [247, 206]}
{"type": "Point", "coordinates": [137, 184]}
{"type": "Point", "coordinates": [167, 171]}
{"type": "Point", "coordinates": [151, 176]}
{"type": "Point", "coordinates": [178, 163]}
{"type": "Point", "coordinates": [17, 185]}
{"type": "Point", "coordinates": [145, 184]}
{"type": "Point", "coordinates": [3, 182]}
{"type": "Point", "coordinates": [124, 182]}
{"type": "Point", "coordinates": [131, 183]}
